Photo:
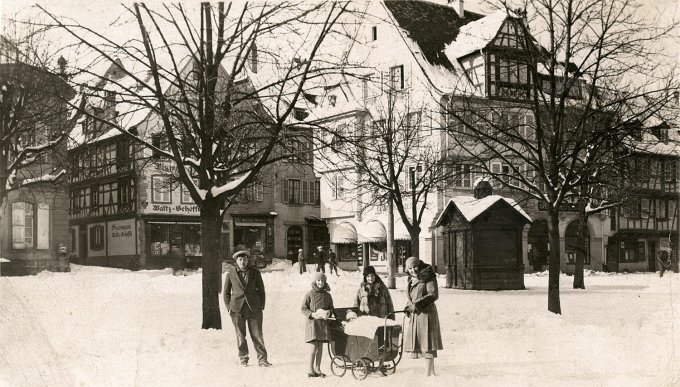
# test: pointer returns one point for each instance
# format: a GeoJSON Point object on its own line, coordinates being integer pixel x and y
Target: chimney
{"type": "Point", "coordinates": [61, 62]}
{"type": "Point", "coordinates": [482, 189]}
{"type": "Point", "coordinates": [459, 6]}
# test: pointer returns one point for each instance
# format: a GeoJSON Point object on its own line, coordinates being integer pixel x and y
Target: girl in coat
{"type": "Point", "coordinates": [317, 307]}
{"type": "Point", "coordinates": [373, 297]}
{"type": "Point", "coordinates": [423, 336]}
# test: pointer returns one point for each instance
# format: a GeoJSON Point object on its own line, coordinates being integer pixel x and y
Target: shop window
{"type": "Point", "coordinates": [97, 237]}
{"type": "Point", "coordinates": [160, 186]}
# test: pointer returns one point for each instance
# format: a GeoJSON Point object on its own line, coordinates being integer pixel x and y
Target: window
{"type": "Point", "coordinates": [253, 193]}
{"type": "Point", "coordinates": [396, 78]}
{"type": "Point", "coordinates": [96, 237]}
{"type": "Point", "coordinates": [300, 114]}
{"type": "Point", "coordinates": [374, 33]}
{"type": "Point", "coordinates": [22, 225]}
{"type": "Point", "coordinates": [669, 176]}
{"type": "Point", "coordinates": [411, 178]}
{"type": "Point", "coordinates": [338, 187]}
{"type": "Point", "coordinates": [186, 196]}
{"type": "Point", "coordinates": [159, 141]}
{"type": "Point", "coordinates": [509, 78]}
{"type": "Point", "coordinates": [632, 251]}
{"type": "Point", "coordinates": [662, 209]}
{"type": "Point", "coordinates": [413, 120]}
{"type": "Point", "coordinates": [161, 188]}
{"type": "Point", "coordinates": [294, 192]}
{"type": "Point", "coordinates": [377, 128]}
{"type": "Point", "coordinates": [462, 176]}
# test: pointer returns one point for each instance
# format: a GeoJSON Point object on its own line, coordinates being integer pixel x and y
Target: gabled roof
{"type": "Point", "coordinates": [471, 208]}
{"type": "Point", "coordinates": [431, 26]}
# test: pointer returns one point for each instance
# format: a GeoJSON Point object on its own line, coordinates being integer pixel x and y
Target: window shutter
{"type": "Point", "coordinates": [317, 192]}
{"type": "Point", "coordinates": [401, 76]}
{"type": "Point", "coordinates": [284, 196]}
{"type": "Point", "coordinates": [43, 226]}
{"type": "Point", "coordinates": [305, 192]}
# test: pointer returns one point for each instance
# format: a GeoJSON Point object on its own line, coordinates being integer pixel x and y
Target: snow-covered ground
{"type": "Point", "coordinates": [109, 327]}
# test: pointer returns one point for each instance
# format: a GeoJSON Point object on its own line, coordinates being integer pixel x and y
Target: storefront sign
{"type": "Point", "coordinates": [122, 237]}
{"type": "Point", "coordinates": [174, 209]}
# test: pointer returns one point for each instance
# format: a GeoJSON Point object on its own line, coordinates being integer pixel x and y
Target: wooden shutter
{"type": "Point", "coordinates": [43, 226]}
{"type": "Point", "coordinates": [305, 192]}
{"type": "Point", "coordinates": [284, 195]}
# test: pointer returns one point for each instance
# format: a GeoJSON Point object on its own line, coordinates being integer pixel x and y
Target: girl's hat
{"type": "Point", "coordinates": [369, 270]}
{"type": "Point", "coordinates": [412, 262]}
{"type": "Point", "coordinates": [319, 275]}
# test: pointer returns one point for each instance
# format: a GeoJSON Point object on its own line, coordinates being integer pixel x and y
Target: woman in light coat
{"type": "Point", "coordinates": [317, 307]}
{"type": "Point", "coordinates": [422, 333]}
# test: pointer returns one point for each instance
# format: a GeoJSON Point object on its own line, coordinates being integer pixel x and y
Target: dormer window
{"type": "Point", "coordinates": [300, 114]}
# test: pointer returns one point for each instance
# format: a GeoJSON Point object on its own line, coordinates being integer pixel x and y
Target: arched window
{"type": "Point", "coordinates": [577, 243]}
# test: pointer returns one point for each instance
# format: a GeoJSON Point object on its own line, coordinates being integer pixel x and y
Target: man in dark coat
{"type": "Point", "coordinates": [244, 298]}
{"type": "Point", "coordinates": [321, 260]}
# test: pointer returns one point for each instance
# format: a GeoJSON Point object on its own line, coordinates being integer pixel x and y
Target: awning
{"type": "Point", "coordinates": [372, 231]}
{"type": "Point", "coordinates": [343, 234]}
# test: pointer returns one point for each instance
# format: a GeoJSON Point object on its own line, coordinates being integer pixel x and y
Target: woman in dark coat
{"type": "Point", "coordinates": [317, 307]}
{"type": "Point", "coordinates": [373, 297]}
{"type": "Point", "coordinates": [422, 336]}
{"type": "Point", "coordinates": [301, 261]}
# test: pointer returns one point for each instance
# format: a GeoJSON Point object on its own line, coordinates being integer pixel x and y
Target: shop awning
{"type": "Point", "coordinates": [372, 231]}
{"type": "Point", "coordinates": [344, 233]}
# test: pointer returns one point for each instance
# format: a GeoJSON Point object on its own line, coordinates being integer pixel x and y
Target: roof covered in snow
{"type": "Point", "coordinates": [471, 207]}
{"type": "Point", "coordinates": [431, 26]}
{"type": "Point", "coordinates": [476, 35]}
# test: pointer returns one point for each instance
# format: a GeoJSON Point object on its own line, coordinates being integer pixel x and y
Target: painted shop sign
{"type": "Point", "coordinates": [174, 209]}
{"type": "Point", "coordinates": [122, 238]}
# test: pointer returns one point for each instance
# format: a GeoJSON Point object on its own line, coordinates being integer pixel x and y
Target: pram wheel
{"type": "Point", "coordinates": [360, 368]}
{"type": "Point", "coordinates": [339, 365]}
{"type": "Point", "coordinates": [387, 367]}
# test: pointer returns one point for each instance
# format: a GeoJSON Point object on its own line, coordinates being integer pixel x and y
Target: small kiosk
{"type": "Point", "coordinates": [483, 241]}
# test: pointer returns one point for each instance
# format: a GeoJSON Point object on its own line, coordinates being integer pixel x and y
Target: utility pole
{"type": "Point", "coordinates": [391, 259]}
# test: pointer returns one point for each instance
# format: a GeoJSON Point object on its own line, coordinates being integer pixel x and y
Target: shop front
{"type": "Point", "coordinates": [344, 241]}
{"type": "Point", "coordinates": [168, 241]}
{"type": "Point", "coordinates": [256, 234]}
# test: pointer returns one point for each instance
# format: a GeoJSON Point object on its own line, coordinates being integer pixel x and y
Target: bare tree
{"type": "Point", "coordinates": [224, 89]}
{"type": "Point", "coordinates": [34, 120]}
{"type": "Point", "coordinates": [563, 79]}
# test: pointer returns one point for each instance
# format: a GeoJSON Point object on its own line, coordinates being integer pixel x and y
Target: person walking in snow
{"type": "Point", "coordinates": [301, 261]}
{"type": "Point", "coordinates": [317, 307]}
{"type": "Point", "coordinates": [373, 297]}
{"type": "Point", "coordinates": [244, 297]}
{"type": "Point", "coordinates": [333, 262]}
{"type": "Point", "coordinates": [422, 335]}
{"type": "Point", "coordinates": [321, 260]}
{"type": "Point", "coordinates": [664, 262]}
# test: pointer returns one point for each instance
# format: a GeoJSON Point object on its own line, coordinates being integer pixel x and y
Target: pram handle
{"type": "Point", "coordinates": [385, 322]}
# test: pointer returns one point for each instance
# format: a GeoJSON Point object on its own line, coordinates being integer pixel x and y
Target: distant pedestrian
{"type": "Point", "coordinates": [244, 297]}
{"type": "Point", "coordinates": [178, 260]}
{"type": "Point", "coordinates": [301, 261]}
{"type": "Point", "coordinates": [321, 260]}
{"type": "Point", "coordinates": [373, 298]}
{"type": "Point", "coordinates": [422, 334]}
{"type": "Point", "coordinates": [317, 306]}
{"type": "Point", "coordinates": [333, 263]}
{"type": "Point", "coordinates": [664, 261]}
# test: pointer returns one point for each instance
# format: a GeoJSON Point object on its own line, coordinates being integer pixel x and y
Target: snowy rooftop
{"type": "Point", "coordinates": [476, 35]}
{"type": "Point", "coordinates": [471, 208]}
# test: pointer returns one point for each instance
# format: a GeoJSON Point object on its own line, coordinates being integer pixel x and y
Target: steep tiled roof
{"type": "Point", "coordinates": [432, 26]}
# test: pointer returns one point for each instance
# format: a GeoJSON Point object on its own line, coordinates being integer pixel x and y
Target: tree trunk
{"type": "Point", "coordinates": [415, 242]}
{"type": "Point", "coordinates": [211, 221]}
{"type": "Point", "coordinates": [554, 267]}
{"type": "Point", "coordinates": [579, 281]}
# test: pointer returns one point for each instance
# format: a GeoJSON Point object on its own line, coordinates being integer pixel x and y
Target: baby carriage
{"type": "Point", "coordinates": [363, 355]}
